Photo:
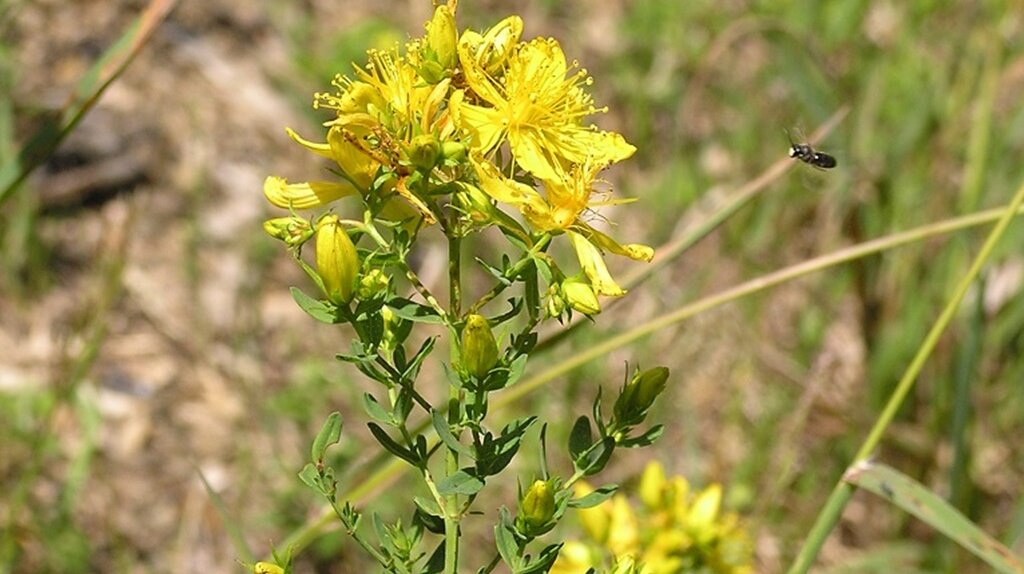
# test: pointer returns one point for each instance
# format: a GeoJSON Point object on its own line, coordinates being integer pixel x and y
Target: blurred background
{"type": "Point", "coordinates": [147, 333]}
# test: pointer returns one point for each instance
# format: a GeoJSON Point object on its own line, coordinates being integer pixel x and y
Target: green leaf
{"type": "Point", "coordinates": [315, 309]}
{"type": "Point", "coordinates": [580, 438]}
{"type": "Point", "coordinates": [375, 411]}
{"type": "Point", "coordinates": [311, 477]}
{"type": "Point", "coordinates": [594, 498]}
{"type": "Point", "coordinates": [446, 436]}
{"type": "Point", "coordinates": [543, 562]}
{"type": "Point", "coordinates": [917, 500]}
{"type": "Point", "coordinates": [462, 482]}
{"type": "Point", "coordinates": [393, 447]}
{"type": "Point", "coordinates": [595, 462]}
{"type": "Point", "coordinates": [646, 439]}
{"type": "Point", "coordinates": [413, 311]}
{"type": "Point", "coordinates": [330, 433]}
{"type": "Point", "coordinates": [505, 540]}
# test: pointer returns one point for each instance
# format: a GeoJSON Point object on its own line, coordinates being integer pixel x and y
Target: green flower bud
{"type": "Point", "coordinates": [626, 565]}
{"type": "Point", "coordinates": [479, 349]}
{"type": "Point", "coordinates": [293, 231]}
{"type": "Point", "coordinates": [453, 150]}
{"type": "Point", "coordinates": [371, 284]}
{"type": "Point", "coordinates": [580, 296]}
{"type": "Point", "coordinates": [537, 506]}
{"type": "Point", "coordinates": [336, 260]}
{"type": "Point", "coordinates": [556, 303]}
{"type": "Point", "coordinates": [638, 395]}
{"type": "Point", "coordinates": [424, 151]}
{"type": "Point", "coordinates": [442, 37]}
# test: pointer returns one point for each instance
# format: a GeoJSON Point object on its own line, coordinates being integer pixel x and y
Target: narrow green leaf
{"type": "Point", "coordinates": [917, 500]}
{"type": "Point", "coordinates": [652, 434]}
{"type": "Point", "coordinates": [375, 411]}
{"type": "Point", "coordinates": [445, 434]}
{"type": "Point", "coordinates": [543, 562]}
{"type": "Point", "coordinates": [461, 482]}
{"type": "Point", "coordinates": [393, 447]}
{"type": "Point", "coordinates": [230, 524]}
{"type": "Point", "coordinates": [594, 498]}
{"type": "Point", "coordinates": [330, 433]}
{"type": "Point", "coordinates": [315, 309]}
{"type": "Point", "coordinates": [413, 311]}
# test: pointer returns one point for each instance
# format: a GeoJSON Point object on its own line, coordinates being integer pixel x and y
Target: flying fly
{"type": "Point", "coordinates": [807, 154]}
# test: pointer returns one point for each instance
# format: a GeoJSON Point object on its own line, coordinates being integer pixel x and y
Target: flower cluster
{"type": "Point", "coordinates": [677, 532]}
{"type": "Point", "coordinates": [482, 125]}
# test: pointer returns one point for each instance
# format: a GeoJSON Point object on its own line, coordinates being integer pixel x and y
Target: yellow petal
{"type": "Point", "coordinates": [483, 125]}
{"type": "Point", "coordinates": [592, 263]}
{"type": "Point", "coordinates": [321, 149]}
{"type": "Point", "coordinates": [304, 195]}
{"type": "Point", "coordinates": [352, 160]}
{"type": "Point", "coordinates": [632, 250]}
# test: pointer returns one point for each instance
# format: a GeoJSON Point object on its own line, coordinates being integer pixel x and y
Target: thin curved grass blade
{"type": "Point", "coordinates": [924, 504]}
{"type": "Point", "coordinates": [88, 91]}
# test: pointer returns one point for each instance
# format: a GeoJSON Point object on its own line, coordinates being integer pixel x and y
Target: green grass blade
{"type": "Point", "coordinates": [88, 91]}
{"type": "Point", "coordinates": [914, 498]}
{"type": "Point", "coordinates": [232, 527]}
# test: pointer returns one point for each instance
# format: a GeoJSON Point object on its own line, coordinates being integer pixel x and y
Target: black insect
{"type": "Point", "coordinates": [807, 154]}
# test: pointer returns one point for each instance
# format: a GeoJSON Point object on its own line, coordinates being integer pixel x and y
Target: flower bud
{"type": "Point", "coordinates": [475, 204]}
{"type": "Point", "coordinates": [638, 395]}
{"type": "Point", "coordinates": [453, 150]}
{"type": "Point", "coordinates": [424, 151]}
{"type": "Point", "coordinates": [336, 260]}
{"type": "Point", "coordinates": [293, 231]}
{"type": "Point", "coordinates": [497, 44]}
{"type": "Point", "coordinates": [442, 37]}
{"type": "Point", "coordinates": [371, 284]}
{"type": "Point", "coordinates": [479, 349]}
{"type": "Point", "coordinates": [537, 506]}
{"type": "Point", "coordinates": [580, 296]}
{"type": "Point", "coordinates": [555, 303]}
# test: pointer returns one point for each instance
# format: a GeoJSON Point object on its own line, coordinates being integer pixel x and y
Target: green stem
{"type": "Point", "coordinates": [514, 271]}
{"type": "Point", "coordinates": [350, 529]}
{"type": "Point", "coordinates": [451, 519]}
{"type": "Point", "coordinates": [833, 509]}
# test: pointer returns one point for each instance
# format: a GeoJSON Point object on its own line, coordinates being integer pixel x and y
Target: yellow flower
{"type": "Point", "coordinates": [561, 210]}
{"type": "Point", "coordinates": [536, 108]}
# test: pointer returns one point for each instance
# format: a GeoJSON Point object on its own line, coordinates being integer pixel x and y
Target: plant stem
{"type": "Point", "coordinates": [451, 518]}
{"type": "Point", "coordinates": [833, 509]}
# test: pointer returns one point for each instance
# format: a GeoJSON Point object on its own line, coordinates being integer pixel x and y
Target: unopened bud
{"type": "Point", "coordinates": [537, 507]}
{"type": "Point", "coordinates": [556, 303]}
{"type": "Point", "coordinates": [292, 230]}
{"type": "Point", "coordinates": [371, 284]}
{"type": "Point", "coordinates": [442, 37]}
{"type": "Point", "coordinates": [423, 151]}
{"type": "Point", "coordinates": [453, 150]}
{"type": "Point", "coordinates": [479, 349]}
{"type": "Point", "coordinates": [625, 565]}
{"type": "Point", "coordinates": [336, 260]}
{"type": "Point", "coordinates": [497, 44]}
{"type": "Point", "coordinates": [580, 296]}
{"type": "Point", "coordinates": [638, 395]}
